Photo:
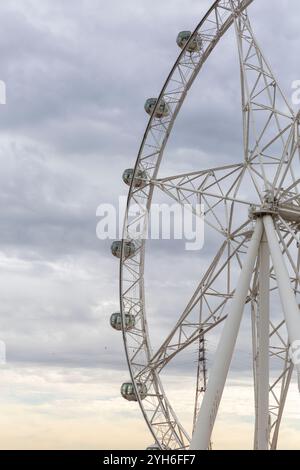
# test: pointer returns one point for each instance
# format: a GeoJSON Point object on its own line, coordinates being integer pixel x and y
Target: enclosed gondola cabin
{"type": "Point", "coordinates": [162, 110]}
{"type": "Point", "coordinates": [128, 392]}
{"type": "Point", "coordinates": [183, 38]}
{"type": "Point", "coordinates": [138, 181]}
{"type": "Point", "coordinates": [116, 321]}
{"type": "Point", "coordinates": [129, 249]}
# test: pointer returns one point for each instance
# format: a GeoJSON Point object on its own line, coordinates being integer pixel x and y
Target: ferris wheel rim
{"type": "Point", "coordinates": [243, 5]}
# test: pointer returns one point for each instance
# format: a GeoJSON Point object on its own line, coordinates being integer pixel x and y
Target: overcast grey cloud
{"type": "Point", "coordinates": [77, 74]}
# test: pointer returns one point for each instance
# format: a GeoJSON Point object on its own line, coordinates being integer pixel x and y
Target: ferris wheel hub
{"type": "Point", "coordinates": [288, 212]}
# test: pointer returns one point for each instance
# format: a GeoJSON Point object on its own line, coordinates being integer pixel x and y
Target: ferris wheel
{"type": "Point", "coordinates": [254, 207]}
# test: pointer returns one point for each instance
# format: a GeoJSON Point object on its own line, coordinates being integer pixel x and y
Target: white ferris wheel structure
{"type": "Point", "coordinates": [257, 263]}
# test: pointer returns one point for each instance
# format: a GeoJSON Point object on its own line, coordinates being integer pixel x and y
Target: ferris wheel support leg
{"type": "Point", "coordinates": [263, 331]}
{"type": "Point", "coordinates": [218, 376]}
{"type": "Point", "coordinates": [288, 300]}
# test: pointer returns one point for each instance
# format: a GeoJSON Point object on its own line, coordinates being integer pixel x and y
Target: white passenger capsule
{"type": "Point", "coordinates": [184, 36]}
{"type": "Point", "coordinates": [116, 321]}
{"type": "Point", "coordinates": [127, 391]}
{"type": "Point", "coordinates": [163, 109]}
{"type": "Point", "coordinates": [129, 249]}
{"type": "Point", "coordinates": [138, 181]}
{"type": "Point", "coordinates": [153, 447]}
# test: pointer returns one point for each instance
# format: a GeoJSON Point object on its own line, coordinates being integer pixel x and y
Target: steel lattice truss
{"type": "Point", "coordinates": [269, 170]}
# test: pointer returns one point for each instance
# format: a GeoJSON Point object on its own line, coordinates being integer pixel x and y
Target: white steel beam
{"type": "Point", "coordinates": [286, 292]}
{"type": "Point", "coordinates": [263, 333]}
{"type": "Point", "coordinates": [218, 376]}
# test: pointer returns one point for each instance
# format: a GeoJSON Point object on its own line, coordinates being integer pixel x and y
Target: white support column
{"type": "Point", "coordinates": [263, 333]}
{"type": "Point", "coordinates": [287, 295]}
{"type": "Point", "coordinates": [218, 376]}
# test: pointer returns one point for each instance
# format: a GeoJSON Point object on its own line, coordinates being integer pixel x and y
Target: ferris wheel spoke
{"type": "Point", "coordinates": [167, 188]}
{"type": "Point", "coordinates": [294, 264]}
{"type": "Point", "coordinates": [268, 118]}
{"type": "Point", "coordinates": [277, 411]}
{"type": "Point", "coordinates": [285, 171]}
{"type": "Point", "coordinates": [217, 190]}
{"type": "Point", "coordinates": [280, 381]}
{"type": "Point", "coordinates": [213, 300]}
{"type": "Point", "coordinates": [219, 182]}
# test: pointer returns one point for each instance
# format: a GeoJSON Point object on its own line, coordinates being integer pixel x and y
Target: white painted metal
{"type": "Point", "coordinates": [287, 295]}
{"type": "Point", "coordinates": [270, 147]}
{"type": "Point", "coordinates": [262, 360]}
{"type": "Point", "coordinates": [157, 411]}
{"type": "Point", "coordinates": [218, 375]}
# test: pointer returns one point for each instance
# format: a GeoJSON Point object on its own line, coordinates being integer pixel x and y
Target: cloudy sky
{"type": "Point", "coordinates": [77, 74]}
